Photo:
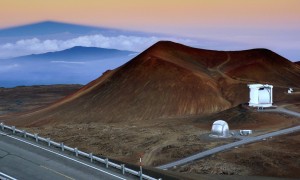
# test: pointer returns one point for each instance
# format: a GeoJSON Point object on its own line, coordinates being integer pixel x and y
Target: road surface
{"type": "Point", "coordinates": [282, 110]}
{"type": "Point", "coordinates": [228, 146]}
{"type": "Point", "coordinates": [21, 159]}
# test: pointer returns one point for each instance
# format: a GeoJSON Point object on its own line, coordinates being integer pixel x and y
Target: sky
{"type": "Point", "coordinates": [273, 24]}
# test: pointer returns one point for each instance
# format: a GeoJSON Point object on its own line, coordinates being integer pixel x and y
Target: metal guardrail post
{"type": "Point", "coordinates": [76, 151]}
{"type": "Point", "coordinates": [106, 162]}
{"type": "Point", "coordinates": [91, 156]}
{"type": "Point", "coordinates": [141, 175]}
{"type": "Point", "coordinates": [14, 129]}
{"type": "Point", "coordinates": [141, 168]}
{"type": "Point", "coordinates": [62, 146]}
{"type": "Point", "coordinates": [2, 126]}
{"type": "Point", "coordinates": [24, 133]}
{"type": "Point", "coordinates": [36, 137]}
{"type": "Point", "coordinates": [48, 141]}
{"type": "Point", "coordinates": [123, 168]}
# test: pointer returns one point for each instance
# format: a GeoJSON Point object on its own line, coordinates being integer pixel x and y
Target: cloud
{"type": "Point", "coordinates": [287, 46]}
{"type": "Point", "coordinates": [234, 39]}
{"type": "Point", "coordinates": [68, 62]}
{"type": "Point", "coordinates": [121, 42]}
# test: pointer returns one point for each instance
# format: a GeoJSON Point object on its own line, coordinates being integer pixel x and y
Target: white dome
{"type": "Point", "coordinates": [220, 129]}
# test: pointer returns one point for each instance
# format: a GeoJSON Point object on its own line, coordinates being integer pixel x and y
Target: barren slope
{"type": "Point", "coordinates": [29, 98]}
{"type": "Point", "coordinates": [170, 80]}
{"type": "Point", "coordinates": [276, 157]}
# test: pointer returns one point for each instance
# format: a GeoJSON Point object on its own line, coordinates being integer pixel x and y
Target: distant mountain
{"type": "Point", "coordinates": [49, 36]}
{"type": "Point", "coordinates": [298, 62]}
{"type": "Point", "coordinates": [48, 28]}
{"type": "Point", "coordinates": [78, 65]}
{"type": "Point", "coordinates": [170, 80]}
{"type": "Point", "coordinates": [78, 53]}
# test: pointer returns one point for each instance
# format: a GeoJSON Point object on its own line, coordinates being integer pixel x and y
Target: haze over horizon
{"type": "Point", "coordinates": [226, 24]}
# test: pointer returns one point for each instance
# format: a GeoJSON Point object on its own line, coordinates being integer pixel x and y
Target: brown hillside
{"type": "Point", "coordinates": [169, 80]}
{"type": "Point", "coordinates": [262, 65]}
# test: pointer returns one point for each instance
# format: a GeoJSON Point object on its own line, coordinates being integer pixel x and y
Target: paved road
{"type": "Point", "coordinates": [20, 160]}
{"type": "Point", "coordinates": [228, 146]}
{"type": "Point", "coordinates": [282, 110]}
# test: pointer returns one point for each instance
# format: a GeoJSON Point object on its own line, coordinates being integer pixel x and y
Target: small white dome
{"type": "Point", "coordinates": [220, 129]}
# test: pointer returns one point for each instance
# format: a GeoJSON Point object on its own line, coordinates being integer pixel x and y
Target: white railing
{"type": "Point", "coordinates": [76, 152]}
{"type": "Point", "coordinates": [6, 177]}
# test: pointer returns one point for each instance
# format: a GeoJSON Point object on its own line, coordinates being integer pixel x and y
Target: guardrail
{"type": "Point", "coordinates": [77, 152]}
{"type": "Point", "coordinates": [6, 177]}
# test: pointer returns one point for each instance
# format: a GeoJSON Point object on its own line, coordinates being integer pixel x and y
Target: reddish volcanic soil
{"type": "Point", "coordinates": [276, 157]}
{"type": "Point", "coordinates": [164, 101]}
{"type": "Point", "coordinates": [170, 80]}
{"type": "Point", "coordinates": [26, 98]}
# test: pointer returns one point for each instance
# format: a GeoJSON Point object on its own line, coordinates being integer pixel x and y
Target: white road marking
{"type": "Point", "coordinates": [4, 134]}
{"type": "Point", "coordinates": [64, 156]}
{"type": "Point", "coordinates": [7, 176]}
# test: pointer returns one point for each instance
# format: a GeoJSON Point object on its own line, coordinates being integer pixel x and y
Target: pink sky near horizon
{"type": "Point", "coordinates": [168, 16]}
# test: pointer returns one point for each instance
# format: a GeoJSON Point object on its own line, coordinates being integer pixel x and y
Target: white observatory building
{"type": "Point", "coordinates": [220, 129]}
{"type": "Point", "coordinates": [261, 95]}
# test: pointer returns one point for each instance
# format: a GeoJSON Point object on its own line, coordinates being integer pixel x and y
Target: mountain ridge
{"type": "Point", "coordinates": [77, 52]}
{"type": "Point", "coordinates": [78, 65]}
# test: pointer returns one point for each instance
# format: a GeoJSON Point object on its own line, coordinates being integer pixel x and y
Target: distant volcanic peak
{"type": "Point", "coordinates": [79, 52]}
{"type": "Point", "coordinates": [82, 47]}
{"type": "Point", "coordinates": [94, 48]}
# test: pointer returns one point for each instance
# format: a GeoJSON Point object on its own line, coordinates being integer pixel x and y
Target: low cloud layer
{"type": "Point", "coordinates": [287, 47]}
{"type": "Point", "coordinates": [37, 46]}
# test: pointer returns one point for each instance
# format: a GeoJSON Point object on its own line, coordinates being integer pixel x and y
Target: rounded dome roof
{"type": "Point", "coordinates": [220, 128]}
{"type": "Point", "coordinates": [221, 122]}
